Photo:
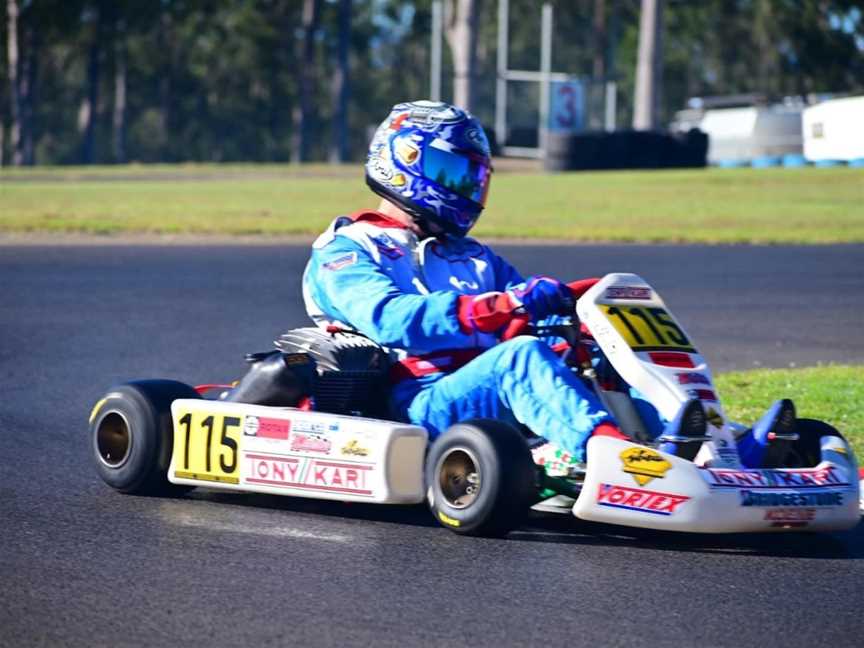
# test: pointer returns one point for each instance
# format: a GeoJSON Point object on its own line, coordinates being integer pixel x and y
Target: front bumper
{"type": "Point", "coordinates": [632, 485]}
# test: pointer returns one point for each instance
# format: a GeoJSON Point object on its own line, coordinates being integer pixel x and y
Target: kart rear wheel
{"type": "Point", "coordinates": [132, 436]}
{"type": "Point", "coordinates": [806, 452]}
{"type": "Point", "coordinates": [481, 478]}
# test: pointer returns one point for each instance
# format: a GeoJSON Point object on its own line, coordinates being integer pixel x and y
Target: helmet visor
{"type": "Point", "coordinates": [460, 173]}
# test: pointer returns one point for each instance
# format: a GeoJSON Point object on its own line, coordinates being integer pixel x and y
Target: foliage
{"type": "Point", "coordinates": [713, 206]}
{"type": "Point", "coordinates": [217, 80]}
{"type": "Point", "coordinates": [833, 394]}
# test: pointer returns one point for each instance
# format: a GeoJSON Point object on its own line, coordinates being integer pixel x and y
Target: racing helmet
{"type": "Point", "coordinates": [433, 160]}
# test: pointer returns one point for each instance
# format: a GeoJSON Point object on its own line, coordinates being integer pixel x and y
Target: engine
{"type": "Point", "coordinates": [350, 370]}
{"type": "Point", "coordinates": [343, 372]}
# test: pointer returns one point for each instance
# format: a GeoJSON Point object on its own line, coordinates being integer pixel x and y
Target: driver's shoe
{"type": "Point", "coordinates": [685, 433]}
{"type": "Point", "coordinates": [776, 427]}
{"type": "Point", "coordinates": [555, 461]}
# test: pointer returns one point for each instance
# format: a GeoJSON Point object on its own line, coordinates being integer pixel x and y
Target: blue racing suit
{"type": "Point", "coordinates": [371, 274]}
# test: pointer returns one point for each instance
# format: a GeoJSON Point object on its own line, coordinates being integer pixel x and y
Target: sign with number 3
{"type": "Point", "coordinates": [566, 106]}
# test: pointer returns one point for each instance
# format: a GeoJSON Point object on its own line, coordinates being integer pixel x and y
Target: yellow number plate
{"type": "Point", "coordinates": [207, 446]}
{"type": "Point", "coordinates": [647, 328]}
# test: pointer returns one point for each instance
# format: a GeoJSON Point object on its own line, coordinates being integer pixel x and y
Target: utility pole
{"type": "Point", "coordinates": [649, 66]}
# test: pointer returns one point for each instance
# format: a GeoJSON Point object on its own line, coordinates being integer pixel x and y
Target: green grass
{"type": "Point", "coordinates": [699, 205]}
{"type": "Point", "coordinates": [834, 394]}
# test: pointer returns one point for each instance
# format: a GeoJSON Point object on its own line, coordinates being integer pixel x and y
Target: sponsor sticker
{"type": "Point", "coordinates": [791, 498]}
{"type": "Point", "coordinates": [310, 442]}
{"type": "Point", "coordinates": [342, 262]}
{"type": "Point", "coordinates": [307, 474]}
{"type": "Point", "coordinates": [449, 521]}
{"type": "Point", "coordinates": [628, 292]}
{"type": "Point", "coordinates": [672, 359]}
{"type": "Point", "coordinates": [692, 378]}
{"type": "Point", "coordinates": [774, 479]}
{"type": "Point", "coordinates": [704, 395]}
{"type": "Point", "coordinates": [266, 428]}
{"type": "Point", "coordinates": [728, 456]}
{"type": "Point", "coordinates": [713, 415]}
{"type": "Point", "coordinates": [638, 499]}
{"type": "Point", "coordinates": [644, 464]}
{"type": "Point", "coordinates": [96, 408]}
{"type": "Point", "coordinates": [318, 427]}
{"type": "Point", "coordinates": [387, 246]}
{"type": "Point", "coordinates": [353, 448]}
{"type": "Point", "coordinates": [790, 515]}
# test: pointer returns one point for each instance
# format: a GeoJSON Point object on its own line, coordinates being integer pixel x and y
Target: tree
{"type": "Point", "coordinates": [88, 115]}
{"type": "Point", "coordinates": [649, 66]}
{"type": "Point", "coordinates": [13, 13]}
{"type": "Point", "coordinates": [461, 21]}
{"type": "Point", "coordinates": [302, 114]}
{"type": "Point", "coordinates": [341, 88]}
{"type": "Point", "coordinates": [118, 119]}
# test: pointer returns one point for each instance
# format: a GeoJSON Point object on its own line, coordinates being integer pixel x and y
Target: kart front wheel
{"type": "Point", "coordinates": [132, 436]}
{"type": "Point", "coordinates": [481, 478]}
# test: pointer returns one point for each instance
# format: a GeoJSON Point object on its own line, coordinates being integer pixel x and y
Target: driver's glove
{"type": "Point", "coordinates": [490, 312]}
{"type": "Point", "coordinates": [541, 296]}
{"type": "Point", "coordinates": [507, 313]}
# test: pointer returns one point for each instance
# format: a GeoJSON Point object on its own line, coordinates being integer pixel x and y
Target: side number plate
{"type": "Point", "coordinates": [206, 447]}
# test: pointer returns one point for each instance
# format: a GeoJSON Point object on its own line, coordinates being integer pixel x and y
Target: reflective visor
{"type": "Point", "coordinates": [467, 177]}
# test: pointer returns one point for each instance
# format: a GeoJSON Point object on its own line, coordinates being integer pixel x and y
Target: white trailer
{"type": "Point", "coordinates": [751, 133]}
{"type": "Point", "coordinates": [834, 130]}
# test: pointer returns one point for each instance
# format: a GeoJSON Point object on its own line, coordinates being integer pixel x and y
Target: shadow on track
{"type": "Point", "coordinates": [847, 545]}
{"type": "Point", "coordinates": [564, 529]}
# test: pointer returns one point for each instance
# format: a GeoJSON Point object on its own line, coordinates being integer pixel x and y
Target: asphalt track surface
{"type": "Point", "coordinates": [81, 565]}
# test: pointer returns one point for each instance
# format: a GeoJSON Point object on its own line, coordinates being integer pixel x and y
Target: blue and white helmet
{"type": "Point", "coordinates": [433, 160]}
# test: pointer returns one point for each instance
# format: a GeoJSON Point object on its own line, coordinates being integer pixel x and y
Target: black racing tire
{"type": "Point", "coordinates": [497, 498]}
{"type": "Point", "coordinates": [132, 436]}
{"type": "Point", "coordinates": [806, 452]}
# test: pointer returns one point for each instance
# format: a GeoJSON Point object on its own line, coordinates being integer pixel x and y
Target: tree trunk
{"type": "Point", "coordinates": [165, 40]}
{"type": "Point", "coordinates": [461, 23]}
{"type": "Point", "coordinates": [12, 14]}
{"type": "Point", "coordinates": [649, 66]}
{"type": "Point", "coordinates": [118, 120]}
{"type": "Point", "coordinates": [600, 42]}
{"type": "Point", "coordinates": [597, 89]}
{"type": "Point", "coordinates": [302, 113]}
{"type": "Point", "coordinates": [88, 114]}
{"type": "Point", "coordinates": [341, 89]}
{"type": "Point", "coordinates": [29, 67]}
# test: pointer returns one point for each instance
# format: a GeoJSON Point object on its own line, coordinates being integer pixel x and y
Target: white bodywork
{"type": "Point", "coordinates": [685, 497]}
{"type": "Point", "coordinates": [286, 451]}
{"type": "Point", "coordinates": [634, 485]}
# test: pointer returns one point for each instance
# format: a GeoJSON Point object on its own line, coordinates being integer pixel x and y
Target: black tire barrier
{"type": "Point", "coordinates": [625, 150]}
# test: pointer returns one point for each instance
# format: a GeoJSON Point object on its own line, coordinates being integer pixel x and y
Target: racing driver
{"type": "Point", "coordinates": [408, 276]}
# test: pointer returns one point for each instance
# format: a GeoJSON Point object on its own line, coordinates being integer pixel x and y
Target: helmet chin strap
{"type": "Point", "coordinates": [426, 227]}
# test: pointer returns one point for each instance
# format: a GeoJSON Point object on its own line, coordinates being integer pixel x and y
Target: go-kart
{"type": "Point", "coordinates": [308, 419]}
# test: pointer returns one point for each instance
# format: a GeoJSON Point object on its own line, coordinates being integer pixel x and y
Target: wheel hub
{"type": "Point", "coordinates": [459, 478]}
{"type": "Point", "coordinates": [113, 440]}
